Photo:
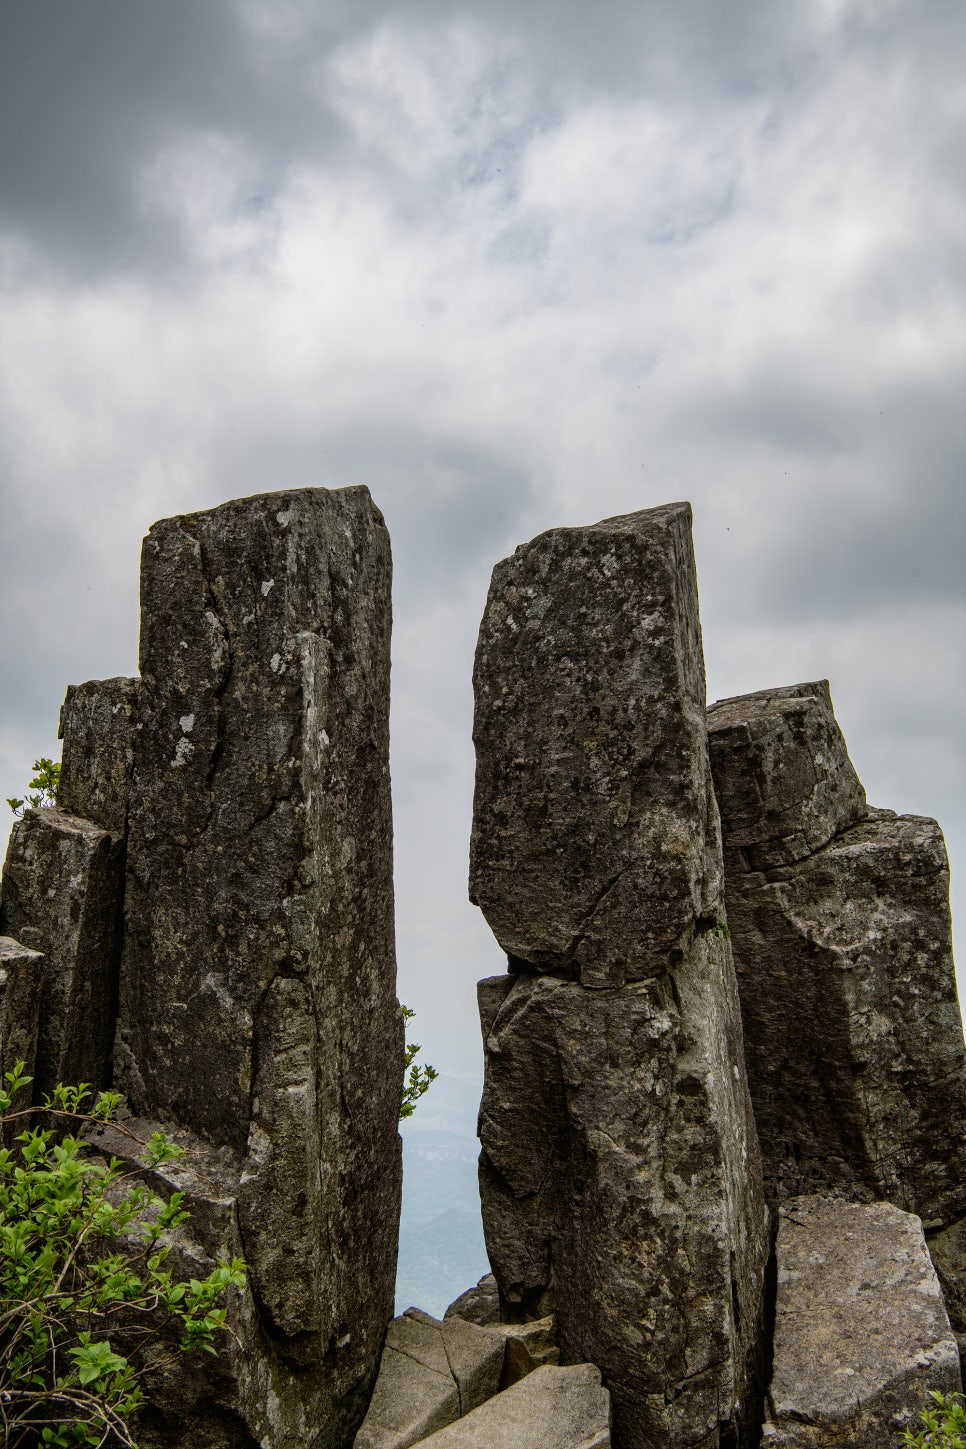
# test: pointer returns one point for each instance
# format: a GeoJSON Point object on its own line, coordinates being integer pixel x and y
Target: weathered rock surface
{"type": "Point", "coordinates": [553, 1408]}
{"type": "Point", "coordinates": [480, 1304]}
{"type": "Point", "coordinates": [595, 847]}
{"type": "Point", "coordinates": [98, 722]}
{"type": "Point", "coordinates": [258, 976]}
{"type": "Point", "coordinates": [620, 1189]}
{"type": "Point", "coordinates": [861, 1333]}
{"type": "Point", "coordinates": [620, 1178]}
{"type": "Point", "coordinates": [63, 883]}
{"type": "Point", "coordinates": [431, 1373]}
{"type": "Point", "coordinates": [782, 774]}
{"type": "Point", "coordinates": [843, 954]}
{"type": "Point", "coordinates": [527, 1346]}
{"type": "Point", "coordinates": [21, 978]}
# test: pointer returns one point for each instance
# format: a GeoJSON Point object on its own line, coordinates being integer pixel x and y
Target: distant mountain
{"type": "Point", "coordinates": [441, 1250]}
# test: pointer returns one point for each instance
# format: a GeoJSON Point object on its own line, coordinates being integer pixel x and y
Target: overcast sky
{"type": "Point", "coordinates": [513, 266]}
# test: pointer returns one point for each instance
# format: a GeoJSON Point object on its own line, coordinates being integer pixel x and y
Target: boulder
{"type": "Point", "coordinates": [861, 1332]}
{"type": "Point", "coordinates": [619, 1177]}
{"type": "Point", "coordinates": [553, 1408]}
{"type": "Point", "coordinates": [258, 974]}
{"type": "Point", "coordinates": [98, 722]}
{"type": "Point", "coordinates": [431, 1374]}
{"type": "Point", "coordinates": [480, 1304]}
{"type": "Point", "coordinates": [63, 891]}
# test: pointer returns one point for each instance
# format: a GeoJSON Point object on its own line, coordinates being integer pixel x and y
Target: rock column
{"type": "Point", "coordinates": [258, 975]}
{"type": "Point", "coordinates": [620, 1177]}
{"type": "Point", "coordinates": [842, 940]}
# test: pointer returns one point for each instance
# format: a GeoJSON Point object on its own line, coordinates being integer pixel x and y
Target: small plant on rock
{"type": "Point", "coordinates": [84, 1289]}
{"type": "Point", "coordinates": [944, 1426]}
{"type": "Point", "coordinates": [45, 785]}
{"type": "Point", "coordinates": [417, 1079]}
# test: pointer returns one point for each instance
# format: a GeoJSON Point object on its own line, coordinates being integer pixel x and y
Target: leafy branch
{"type": "Point", "coordinates": [84, 1286]}
{"type": "Point", "coordinates": [45, 785]}
{"type": "Point", "coordinates": [417, 1079]}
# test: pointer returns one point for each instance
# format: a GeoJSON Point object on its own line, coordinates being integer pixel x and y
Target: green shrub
{"type": "Point", "coordinates": [83, 1284]}
{"type": "Point", "coordinates": [945, 1426]}
{"type": "Point", "coordinates": [417, 1080]}
{"type": "Point", "coordinates": [45, 785]}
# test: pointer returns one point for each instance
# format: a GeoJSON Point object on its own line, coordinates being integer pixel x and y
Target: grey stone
{"type": "Point", "coordinates": [843, 954]}
{"type": "Point", "coordinates": [480, 1304]}
{"type": "Point", "coordinates": [595, 848]}
{"type": "Point", "coordinates": [620, 1178]}
{"type": "Point", "coordinates": [782, 774]}
{"type": "Point", "coordinates": [258, 976]}
{"type": "Point", "coordinates": [621, 1190]}
{"type": "Point", "coordinates": [852, 1027]}
{"type": "Point", "coordinates": [861, 1333]}
{"type": "Point", "coordinates": [431, 1373]}
{"type": "Point", "coordinates": [553, 1408]}
{"type": "Point", "coordinates": [21, 978]}
{"type": "Point", "coordinates": [63, 883]}
{"type": "Point", "coordinates": [98, 722]}
{"type": "Point", "coordinates": [527, 1346]}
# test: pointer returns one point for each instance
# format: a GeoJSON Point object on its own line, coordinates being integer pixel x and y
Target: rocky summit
{"type": "Point", "coordinates": [723, 1124]}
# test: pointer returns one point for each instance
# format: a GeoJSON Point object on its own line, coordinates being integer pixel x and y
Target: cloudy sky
{"type": "Point", "coordinates": [513, 266]}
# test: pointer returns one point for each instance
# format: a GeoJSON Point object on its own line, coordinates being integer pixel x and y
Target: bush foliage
{"type": "Point", "coordinates": [84, 1287]}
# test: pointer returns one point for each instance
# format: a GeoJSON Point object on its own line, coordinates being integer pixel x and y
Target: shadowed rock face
{"type": "Point", "coordinates": [63, 885]}
{"type": "Point", "coordinates": [619, 1175]}
{"type": "Point", "coordinates": [842, 941]}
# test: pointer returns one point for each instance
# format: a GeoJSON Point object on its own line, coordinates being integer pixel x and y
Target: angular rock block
{"type": "Point", "coordinates": [258, 976]}
{"type": "Point", "coordinates": [620, 1178]}
{"type": "Point", "coordinates": [861, 1333]}
{"type": "Point", "coordinates": [783, 777]}
{"type": "Point", "coordinates": [63, 891]}
{"type": "Point", "coordinates": [843, 954]}
{"type": "Point", "coordinates": [595, 850]}
{"type": "Point", "coordinates": [21, 978]}
{"type": "Point", "coordinates": [98, 722]}
{"type": "Point", "coordinates": [480, 1304]}
{"type": "Point", "coordinates": [620, 1188]}
{"type": "Point", "coordinates": [527, 1345]}
{"type": "Point", "coordinates": [431, 1374]}
{"type": "Point", "coordinates": [553, 1408]}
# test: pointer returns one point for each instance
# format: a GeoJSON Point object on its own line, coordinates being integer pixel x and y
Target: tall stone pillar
{"type": "Point", "coordinates": [842, 940]}
{"type": "Point", "coordinates": [620, 1176]}
{"type": "Point", "coordinates": [257, 1003]}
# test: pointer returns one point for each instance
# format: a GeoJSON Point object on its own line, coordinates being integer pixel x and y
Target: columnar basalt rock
{"type": "Point", "coordinates": [21, 978]}
{"type": "Point", "coordinates": [842, 940]}
{"type": "Point", "coordinates": [258, 976]}
{"type": "Point", "coordinates": [98, 725]}
{"type": "Point", "coordinates": [861, 1331]}
{"type": "Point", "coordinates": [63, 882]}
{"type": "Point", "coordinates": [619, 1176]}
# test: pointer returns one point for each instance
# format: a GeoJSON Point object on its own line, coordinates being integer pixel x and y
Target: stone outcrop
{"type": "Point", "coordinates": [98, 725]}
{"type": "Point", "coordinates": [62, 895]}
{"type": "Point", "coordinates": [237, 797]}
{"type": "Point", "coordinates": [619, 1174]}
{"type": "Point", "coordinates": [861, 1333]}
{"type": "Point", "coordinates": [840, 925]}
{"type": "Point", "coordinates": [21, 976]}
{"type": "Point", "coordinates": [479, 1304]}
{"type": "Point", "coordinates": [431, 1374]}
{"type": "Point", "coordinates": [553, 1408]}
